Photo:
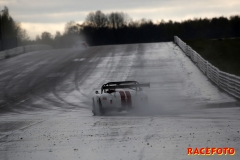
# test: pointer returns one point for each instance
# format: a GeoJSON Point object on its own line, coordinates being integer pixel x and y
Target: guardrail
{"type": "Point", "coordinates": [22, 49]}
{"type": "Point", "coordinates": [228, 82]}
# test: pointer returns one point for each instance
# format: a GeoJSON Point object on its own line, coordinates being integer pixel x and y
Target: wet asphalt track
{"type": "Point", "coordinates": [45, 106]}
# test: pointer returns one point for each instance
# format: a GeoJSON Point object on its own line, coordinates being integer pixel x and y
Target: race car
{"type": "Point", "coordinates": [119, 96]}
{"type": "Point", "coordinates": [80, 45]}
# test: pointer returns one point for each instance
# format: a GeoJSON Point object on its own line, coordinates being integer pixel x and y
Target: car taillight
{"type": "Point", "coordinates": [104, 98]}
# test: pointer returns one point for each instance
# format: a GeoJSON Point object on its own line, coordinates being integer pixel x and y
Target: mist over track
{"type": "Point", "coordinates": [45, 106]}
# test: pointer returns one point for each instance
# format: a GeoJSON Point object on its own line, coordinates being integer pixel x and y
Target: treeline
{"type": "Point", "coordinates": [118, 28]}
{"type": "Point", "coordinates": [10, 30]}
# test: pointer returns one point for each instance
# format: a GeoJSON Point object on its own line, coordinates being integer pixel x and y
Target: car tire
{"type": "Point", "coordinates": [100, 108]}
{"type": "Point", "coordinates": [94, 108]}
{"type": "Point", "coordinates": [97, 109]}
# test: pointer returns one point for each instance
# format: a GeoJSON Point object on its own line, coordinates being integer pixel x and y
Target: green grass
{"type": "Point", "coordinates": [222, 53]}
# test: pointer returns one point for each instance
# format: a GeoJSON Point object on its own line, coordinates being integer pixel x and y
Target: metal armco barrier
{"type": "Point", "coordinates": [23, 49]}
{"type": "Point", "coordinates": [228, 82]}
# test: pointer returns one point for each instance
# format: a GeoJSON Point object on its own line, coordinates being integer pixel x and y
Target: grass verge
{"type": "Point", "coordinates": [222, 53]}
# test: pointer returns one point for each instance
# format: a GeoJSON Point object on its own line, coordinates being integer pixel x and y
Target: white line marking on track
{"type": "Point", "coordinates": [82, 59]}
{"type": "Point", "coordinates": [22, 101]}
{"type": "Point", "coordinates": [77, 60]}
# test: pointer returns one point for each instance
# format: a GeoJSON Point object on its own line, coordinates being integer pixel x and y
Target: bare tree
{"type": "Point", "coordinates": [97, 19]}
{"type": "Point", "coordinates": [57, 35]}
{"type": "Point", "coordinates": [21, 33]}
{"type": "Point", "coordinates": [118, 20]}
{"type": "Point", "coordinates": [72, 28]}
{"type": "Point", "coordinates": [144, 21]}
{"type": "Point", "coordinates": [46, 38]}
{"type": "Point", "coordinates": [134, 24]}
{"type": "Point", "coordinates": [38, 38]}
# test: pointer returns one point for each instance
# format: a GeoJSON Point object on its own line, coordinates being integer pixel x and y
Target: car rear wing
{"type": "Point", "coordinates": [126, 86]}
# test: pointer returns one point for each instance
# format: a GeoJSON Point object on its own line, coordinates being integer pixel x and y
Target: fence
{"type": "Point", "coordinates": [23, 49]}
{"type": "Point", "coordinates": [228, 82]}
{"type": "Point", "coordinates": [8, 43]}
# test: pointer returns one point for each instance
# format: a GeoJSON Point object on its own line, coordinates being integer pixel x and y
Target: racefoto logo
{"type": "Point", "coordinates": [210, 151]}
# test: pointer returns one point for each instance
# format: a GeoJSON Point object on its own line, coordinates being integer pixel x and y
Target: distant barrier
{"type": "Point", "coordinates": [228, 82]}
{"type": "Point", "coordinates": [22, 49]}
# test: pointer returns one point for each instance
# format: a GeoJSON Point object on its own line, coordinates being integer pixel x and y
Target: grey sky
{"type": "Point", "coordinates": [37, 16]}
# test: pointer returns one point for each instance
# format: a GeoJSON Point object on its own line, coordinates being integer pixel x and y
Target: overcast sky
{"type": "Point", "coordinates": [37, 16]}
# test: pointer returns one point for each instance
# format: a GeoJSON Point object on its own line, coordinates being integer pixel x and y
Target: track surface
{"type": "Point", "coordinates": [45, 106]}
